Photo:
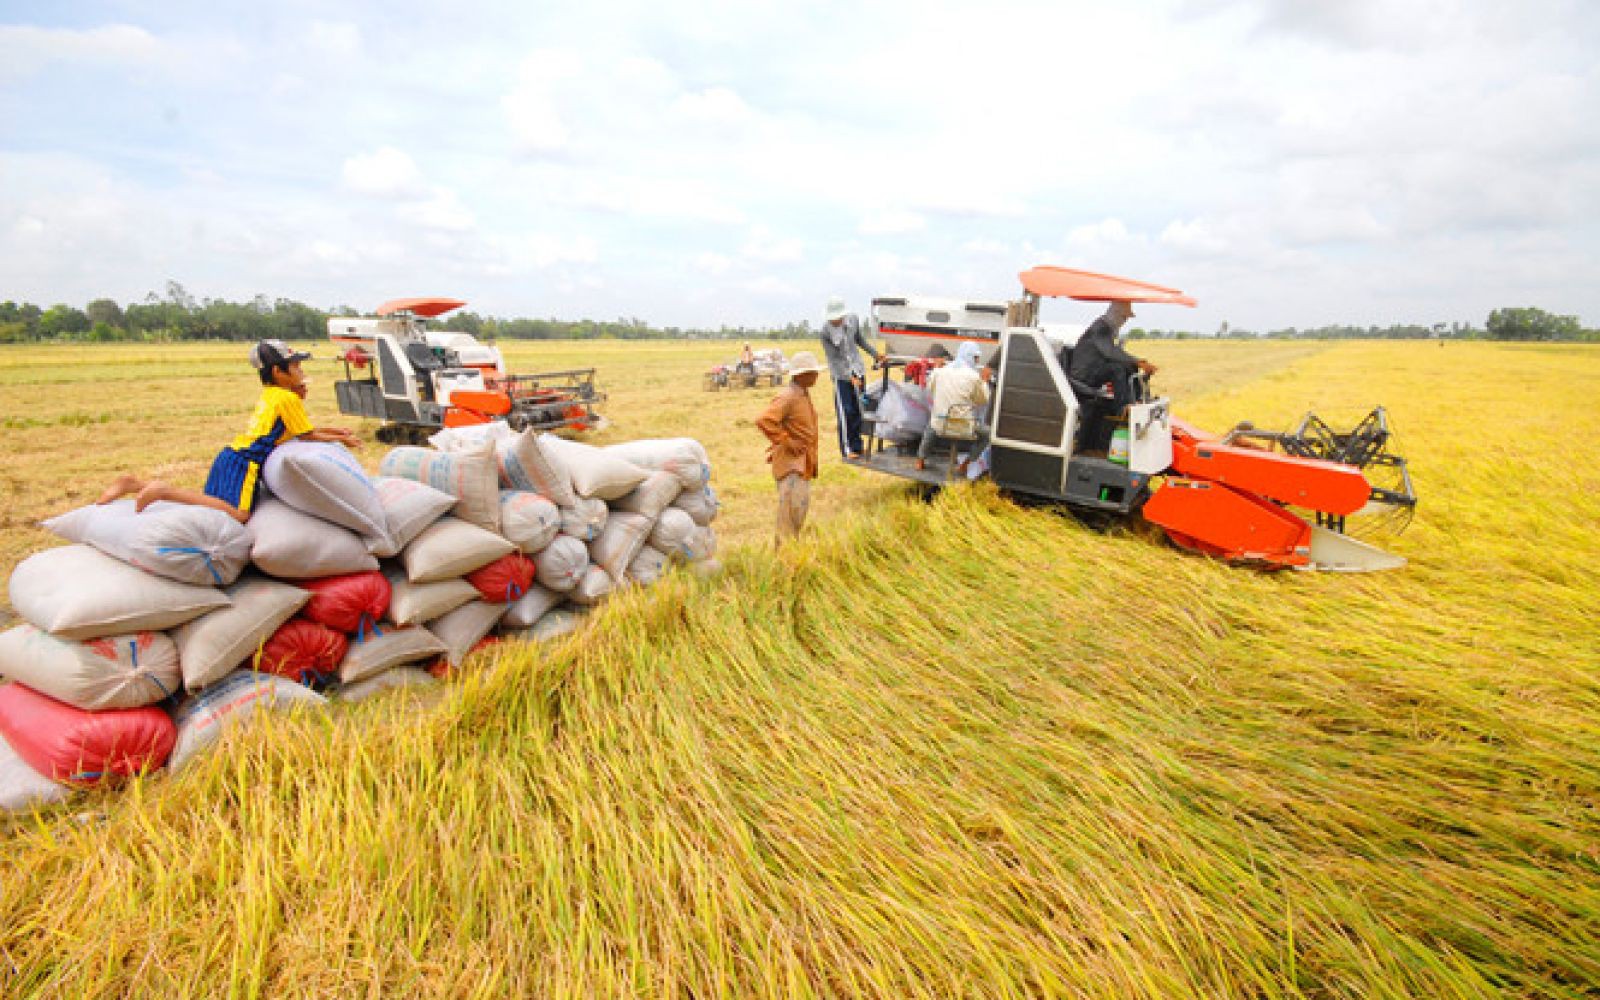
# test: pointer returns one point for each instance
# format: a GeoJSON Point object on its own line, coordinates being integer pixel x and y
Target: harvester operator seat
{"type": "Point", "coordinates": [425, 363]}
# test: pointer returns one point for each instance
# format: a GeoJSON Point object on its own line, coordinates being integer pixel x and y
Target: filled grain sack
{"type": "Point", "coordinates": [21, 787]}
{"type": "Point", "coordinates": [530, 607]}
{"type": "Point", "coordinates": [414, 603]}
{"type": "Point", "coordinates": [203, 718]}
{"type": "Point", "coordinates": [673, 531]}
{"type": "Point", "coordinates": [595, 587]}
{"type": "Point", "coordinates": [591, 471]}
{"type": "Point", "coordinates": [353, 602]}
{"type": "Point", "coordinates": [302, 651]}
{"type": "Point", "coordinates": [683, 458]}
{"type": "Point", "coordinates": [624, 535]}
{"type": "Point", "coordinates": [471, 437]}
{"type": "Point", "coordinates": [706, 567]}
{"type": "Point", "coordinates": [118, 671]}
{"type": "Point", "coordinates": [296, 546]}
{"type": "Point", "coordinates": [528, 520]}
{"type": "Point", "coordinates": [503, 580]}
{"type": "Point", "coordinates": [469, 476]}
{"type": "Point", "coordinates": [702, 505]}
{"type": "Point", "coordinates": [525, 466]}
{"type": "Point", "coordinates": [179, 541]}
{"type": "Point", "coordinates": [408, 507]}
{"type": "Point", "coordinates": [651, 497]}
{"type": "Point", "coordinates": [461, 629]}
{"type": "Point", "coordinates": [326, 481]}
{"type": "Point", "coordinates": [398, 679]}
{"type": "Point", "coordinates": [451, 547]}
{"type": "Point", "coordinates": [395, 647]}
{"type": "Point", "coordinates": [554, 625]}
{"type": "Point", "coordinates": [585, 519]}
{"type": "Point", "coordinates": [211, 646]}
{"type": "Point", "coordinates": [562, 564]}
{"type": "Point", "coordinates": [648, 566]}
{"type": "Point", "coordinates": [78, 592]}
{"type": "Point", "coordinates": [903, 413]}
{"type": "Point", "coordinates": [80, 747]}
{"type": "Point", "coordinates": [702, 545]}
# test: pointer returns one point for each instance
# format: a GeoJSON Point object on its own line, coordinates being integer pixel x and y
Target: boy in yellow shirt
{"type": "Point", "coordinates": [235, 479]}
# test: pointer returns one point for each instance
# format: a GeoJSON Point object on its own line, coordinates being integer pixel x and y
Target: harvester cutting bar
{"type": "Point", "coordinates": [1216, 520]}
{"type": "Point", "coordinates": [1311, 483]}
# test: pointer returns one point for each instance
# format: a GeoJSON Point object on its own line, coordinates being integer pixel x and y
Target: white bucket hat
{"type": "Point", "coordinates": [802, 362]}
{"type": "Point", "coordinates": [836, 309]}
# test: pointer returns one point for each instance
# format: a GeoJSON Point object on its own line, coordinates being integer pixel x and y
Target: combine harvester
{"type": "Point", "coordinates": [419, 380]}
{"type": "Point", "coordinates": [1232, 497]}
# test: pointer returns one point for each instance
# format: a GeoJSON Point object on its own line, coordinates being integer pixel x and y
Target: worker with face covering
{"type": "Point", "coordinates": [841, 339]}
{"type": "Point", "coordinates": [956, 395]}
{"type": "Point", "coordinates": [1100, 364]}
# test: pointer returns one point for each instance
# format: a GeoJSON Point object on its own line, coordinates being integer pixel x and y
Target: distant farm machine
{"type": "Point", "coordinates": [1234, 497]}
{"type": "Point", "coordinates": [418, 380]}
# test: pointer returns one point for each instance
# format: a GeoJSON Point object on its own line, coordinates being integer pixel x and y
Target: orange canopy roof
{"type": "Point", "coordinates": [1086, 286]}
{"type": "Point", "coordinates": [420, 307]}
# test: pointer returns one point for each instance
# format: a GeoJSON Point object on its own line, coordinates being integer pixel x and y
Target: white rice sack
{"type": "Point", "coordinates": [414, 603]}
{"type": "Point", "coordinates": [327, 481]}
{"type": "Point", "coordinates": [562, 564]}
{"type": "Point", "coordinates": [648, 566]}
{"type": "Point", "coordinates": [211, 646]}
{"type": "Point", "coordinates": [595, 587]}
{"type": "Point", "coordinates": [472, 437]}
{"type": "Point", "coordinates": [684, 458]}
{"type": "Point", "coordinates": [673, 531]}
{"type": "Point", "coordinates": [77, 592]}
{"type": "Point", "coordinates": [651, 497]}
{"type": "Point", "coordinates": [21, 787]}
{"type": "Point", "coordinates": [297, 546]}
{"type": "Point", "coordinates": [398, 679]}
{"type": "Point", "coordinates": [461, 629]}
{"type": "Point", "coordinates": [557, 623]}
{"type": "Point", "coordinates": [395, 647]}
{"type": "Point", "coordinates": [118, 671]}
{"type": "Point", "coordinates": [469, 476]}
{"type": "Point", "coordinates": [203, 717]}
{"type": "Point", "coordinates": [408, 507]}
{"type": "Point", "coordinates": [451, 547]}
{"type": "Point", "coordinates": [179, 541]}
{"type": "Point", "coordinates": [528, 520]}
{"type": "Point", "coordinates": [706, 567]}
{"type": "Point", "coordinates": [624, 535]}
{"type": "Point", "coordinates": [592, 472]}
{"type": "Point", "coordinates": [525, 466]}
{"type": "Point", "coordinates": [701, 505]}
{"type": "Point", "coordinates": [530, 607]}
{"type": "Point", "coordinates": [584, 519]}
{"type": "Point", "coordinates": [702, 544]}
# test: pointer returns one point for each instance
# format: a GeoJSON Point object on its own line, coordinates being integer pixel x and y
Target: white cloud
{"type": "Point", "coordinates": [337, 38]}
{"type": "Point", "coordinates": [29, 49]}
{"type": "Point", "coordinates": [712, 263]}
{"type": "Point", "coordinates": [763, 246]}
{"type": "Point", "coordinates": [891, 222]}
{"type": "Point", "coordinates": [531, 107]}
{"type": "Point", "coordinates": [713, 106]}
{"type": "Point", "coordinates": [386, 172]}
{"type": "Point", "coordinates": [441, 210]}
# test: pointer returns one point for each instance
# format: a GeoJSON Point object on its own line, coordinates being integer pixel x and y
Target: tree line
{"type": "Point", "coordinates": [1519, 324]}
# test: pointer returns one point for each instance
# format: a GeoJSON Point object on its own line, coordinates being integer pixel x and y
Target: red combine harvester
{"type": "Point", "coordinates": [419, 380]}
{"type": "Point", "coordinates": [1264, 498]}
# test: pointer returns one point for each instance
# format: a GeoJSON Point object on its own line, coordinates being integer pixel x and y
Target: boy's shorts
{"type": "Point", "coordinates": [235, 478]}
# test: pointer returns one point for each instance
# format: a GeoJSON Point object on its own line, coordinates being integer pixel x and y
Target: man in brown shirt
{"type": "Point", "coordinates": [790, 424]}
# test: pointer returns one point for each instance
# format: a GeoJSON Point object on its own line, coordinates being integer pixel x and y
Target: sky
{"type": "Point", "coordinates": [1290, 163]}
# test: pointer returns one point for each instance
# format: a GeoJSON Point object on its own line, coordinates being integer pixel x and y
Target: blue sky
{"type": "Point", "coordinates": [1288, 162]}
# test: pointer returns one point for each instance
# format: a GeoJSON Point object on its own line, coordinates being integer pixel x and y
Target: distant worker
{"type": "Point", "coordinates": [957, 393]}
{"type": "Point", "coordinates": [235, 478]}
{"type": "Point", "coordinates": [1100, 364]}
{"type": "Point", "coordinates": [790, 424]}
{"type": "Point", "coordinates": [841, 338]}
{"type": "Point", "coordinates": [747, 361]}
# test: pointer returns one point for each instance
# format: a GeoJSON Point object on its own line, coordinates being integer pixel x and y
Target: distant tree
{"type": "Point", "coordinates": [63, 319]}
{"type": "Point", "coordinates": [104, 311]}
{"type": "Point", "coordinates": [1532, 324]}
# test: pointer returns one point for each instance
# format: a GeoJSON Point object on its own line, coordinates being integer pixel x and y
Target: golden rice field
{"type": "Point", "coordinates": [954, 748]}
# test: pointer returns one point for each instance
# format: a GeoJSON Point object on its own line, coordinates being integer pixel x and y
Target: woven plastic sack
{"type": "Point", "coordinates": [326, 481]}
{"type": "Point", "coordinates": [706, 567]}
{"type": "Point", "coordinates": [673, 532]}
{"type": "Point", "coordinates": [524, 466]}
{"type": "Point", "coordinates": [562, 564]}
{"type": "Point", "coordinates": [595, 587]}
{"type": "Point", "coordinates": [652, 496]}
{"type": "Point", "coordinates": [461, 629]}
{"type": "Point", "coordinates": [585, 519]}
{"type": "Point", "coordinates": [211, 646]}
{"type": "Point", "coordinates": [592, 472]}
{"type": "Point", "coordinates": [450, 548]}
{"type": "Point", "coordinates": [296, 546]}
{"type": "Point", "coordinates": [528, 520]}
{"type": "Point", "coordinates": [352, 603]}
{"type": "Point", "coordinates": [179, 541]}
{"type": "Point", "coordinates": [684, 458]}
{"type": "Point", "coordinates": [398, 679]}
{"type": "Point", "coordinates": [80, 747]}
{"type": "Point", "coordinates": [505, 579]}
{"type": "Point", "coordinates": [623, 537]}
{"type": "Point", "coordinates": [226, 705]}
{"type": "Point", "coordinates": [21, 787]}
{"type": "Point", "coordinates": [554, 625]}
{"type": "Point", "coordinates": [395, 647]}
{"type": "Point", "coordinates": [902, 413]}
{"type": "Point", "coordinates": [472, 477]}
{"type": "Point", "coordinates": [118, 671]}
{"type": "Point", "coordinates": [302, 651]}
{"type": "Point", "coordinates": [414, 603]}
{"type": "Point", "coordinates": [702, 505]}
{"type": "Point", "coordinates": [408, 507]}
{"type": "Point", "coordinates": [77, 592]}
{"type": "Point", "coordinates": [648, 566]}
{"type": "Point", "coordinates": [530, 607]}
{"type": "Point", "coordinates": [702, 545]}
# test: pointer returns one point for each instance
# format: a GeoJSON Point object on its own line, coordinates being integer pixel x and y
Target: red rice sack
{"type": "Point", "coordinates": [408, 507]}
{"type": "Point", "coordinates": [449, 548]}
{"type": "Point", "coordinates": [393, 648]}
{"type": "Point", "coordinates": [213, 645]}
{"type": "Point", "coordinates": [326, 481]}
{"type": "Point", "coordinates": [651, 497]}
{"type": "Point", "coordinates": [179, 541]}
{"type": "Point", "coordinates": [203, 718]}
{"type": "Point", "coordinates": [78, 592]}
{"type": "Point", "coordinates": [528, 520]}
{"type": "Point", "coordinates": [472, 477]}
{"type": "Point", "coordinates": [302, 650]}
{"type": "Point", "coordinates": [80, 747]}
{"type": "Point", "coordinates": [585, 519]}
{"type": "Point", "coordinates": [296, 546]}
{"type": "Point", "coordinates": [414, 603]}
{"type": "Point", "coordinates": [21, 787]}
{"type": "Point", "coordinates": [505, 579]}
{"type": "Point", "coordinates": [530, 607]}
{"type": "Point", "coordinates": [562, 564]}
{"type": "Point", "coordinates": [592, 472]}
{"type": "Point", "coordinates": [118, 671]}
{"type": "Point", "coordinates": [351, 603]}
